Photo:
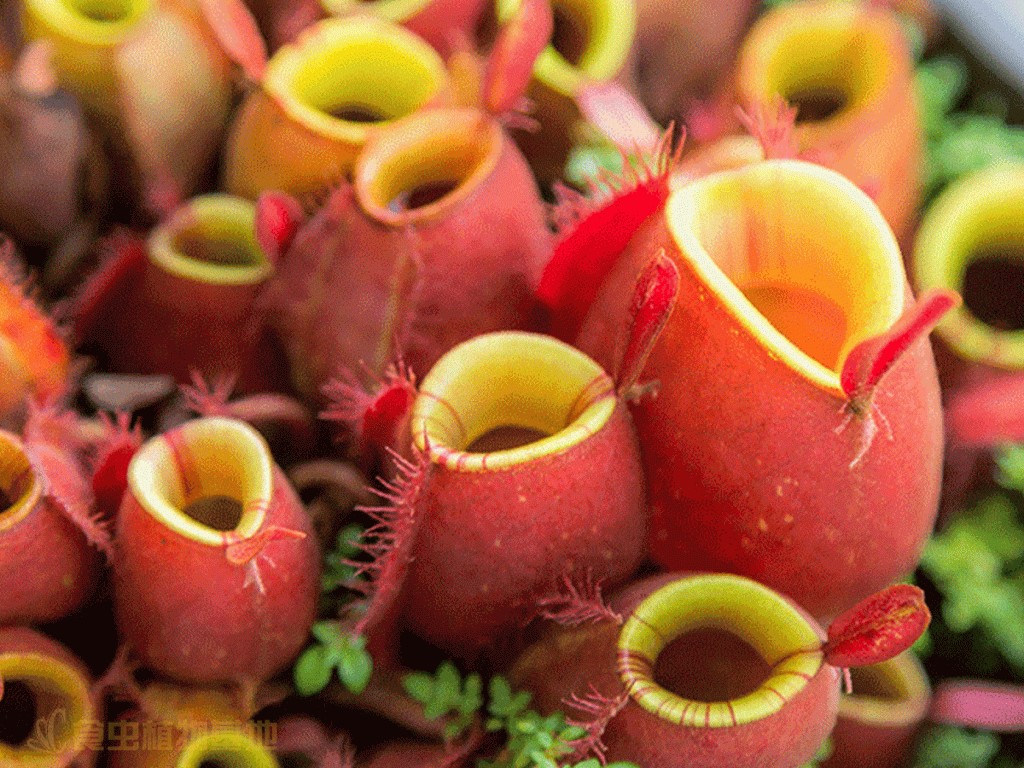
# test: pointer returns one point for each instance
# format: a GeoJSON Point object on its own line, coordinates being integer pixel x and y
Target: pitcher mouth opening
{"type": "Point", "coordinates": [94, 22]}
{"type": "Point", "coordinates": [972, 240]}
{"type": "Point", "coordinates": [44, 709]}
{"type": "Point", "coordinates": [211, 239]}
{"type": "Point", "coordinates": [345, 77]}
{"type": "Point", "coordinates": [830, 62]}
{"type": "Point", "coordinates": [788, 657]}
{"type": "Point", "coordinates": [205, 479]}
{"type": "Point", "coordinates": [801, 256]}
{"type": "Point", "coordinates": [591, 40]}
{"type": "Point", "coordinates": [20, 487]}
{"type": "Point", "coordinates": [527, 395]}
{"type": "Point", "coordinates": [423, 165]}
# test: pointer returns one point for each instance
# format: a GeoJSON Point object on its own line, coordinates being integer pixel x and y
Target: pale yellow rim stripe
{"type": "Point", "coordinates": [644, 636]}
{"type": "Point", "coordinates": [612, 29]}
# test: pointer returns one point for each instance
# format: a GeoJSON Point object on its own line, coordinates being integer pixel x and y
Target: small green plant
{"type": "Point", "coordinates": [947, 747]}
{"type": "Point", "coordinates": [588, 161]}
{"type": "Point", "coordinates": [446, 694]}
{"type": "Point", "coordinates": [333, 651]}
{"type": "Point", "coordinates": [532, 740]}
{"type": "Point", "coordinates": [339, 570]}
{"type": "Point", "coordinates": [341, 581]}
{"type": "Point", "coordinates": [976, 563]}
{"type": "Point", "coordinates": [960, 142]}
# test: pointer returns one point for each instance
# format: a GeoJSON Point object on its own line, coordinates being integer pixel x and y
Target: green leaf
{"type": "Point", "coordinates": [446, 694]}
{"type": "Point", "coordinates": [312, 672]}
{"type": "Point", "coordinates": [327, 632]}
{"type": "Point", "coordinates": [947, 747]}
{"type": "Point", "coordinates": [449, 682]}
{"type": "Point", "coordinates": [976, 563]}
{"type": "Point", "coordinates": [472, 699]}
{"type": "Point", "coordinates": [436, 707]}
{"type": "Point", "coordinates": [1010, 463]}
{"type": "Point", "coordinates": [420, 686]}
{"type": "Point", "coordinates": [338, 569]}
{"type": "Point", "coordinates": [519, 703]}
{"type": "Point", "coordinates": [356, 666]}
{"type": "Point", "coordinates": [500, 697]}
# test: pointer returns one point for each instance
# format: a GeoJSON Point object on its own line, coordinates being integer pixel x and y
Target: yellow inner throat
{"type": "Point", "coordinates": [205, 479]}
{"type": "Point", "coordinates": [348, 75]}
{"type": "Point", "coordinates": [419, 167]}
{"type": "Point", "coordinates": [972, 240]}
{"type": "Point", "coordinates": [395, 10]}
{"type": "Point", "coordinates": [226, 750]}
{"type": "Point", "coordinates": [97, 23]}
{"type": "Point", "coordinates": [895, 692]}
{"type": "Point", "coordinates": [591, 41]}
{"type": "Point", "coordinates": [800, 256]}
{"type": "Point", "coordinates": [829, 62]}
{"type": "Point", "coordinates": [498, 390]}
{"type": "Point", "coordinates": [212, 240]}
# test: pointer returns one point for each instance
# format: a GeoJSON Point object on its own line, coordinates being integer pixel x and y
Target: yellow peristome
{"type": "Point", "coordinates": [360, 61]}
{"type": "Point", "coordinates": [204, 458]}
{"type": "Point", "coordinates": [85, 35]}
{"type": "Point", "coordinates": [907, 683]}
{"type": "Point", "coordinates": [979, 211]}
{"type": "Point", "coordinates": [797, 227]}
{"type": "Point", "coordinates": [510, 378]}
{"type": "Point", "coordinates": [226, 749]}
{"type": "Point", "coordinates": [610, 28]}
{"type": "Point", "coordinates": [224, 227]}
{"type": "Point", "coordinates": [757, 615]}
{"type": "Point", "coordinates": [458, 146]}
{"type": "Point", "coordinates": [286, 136]}
{"type": "Point", "coordinates": [63, 708]}
{"type": "Point", "coordinates": [848, 70]}
{"type": "Point", "coordinates": [828, 46]}
{"type": "Point", "coordinates": [18, 481]}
